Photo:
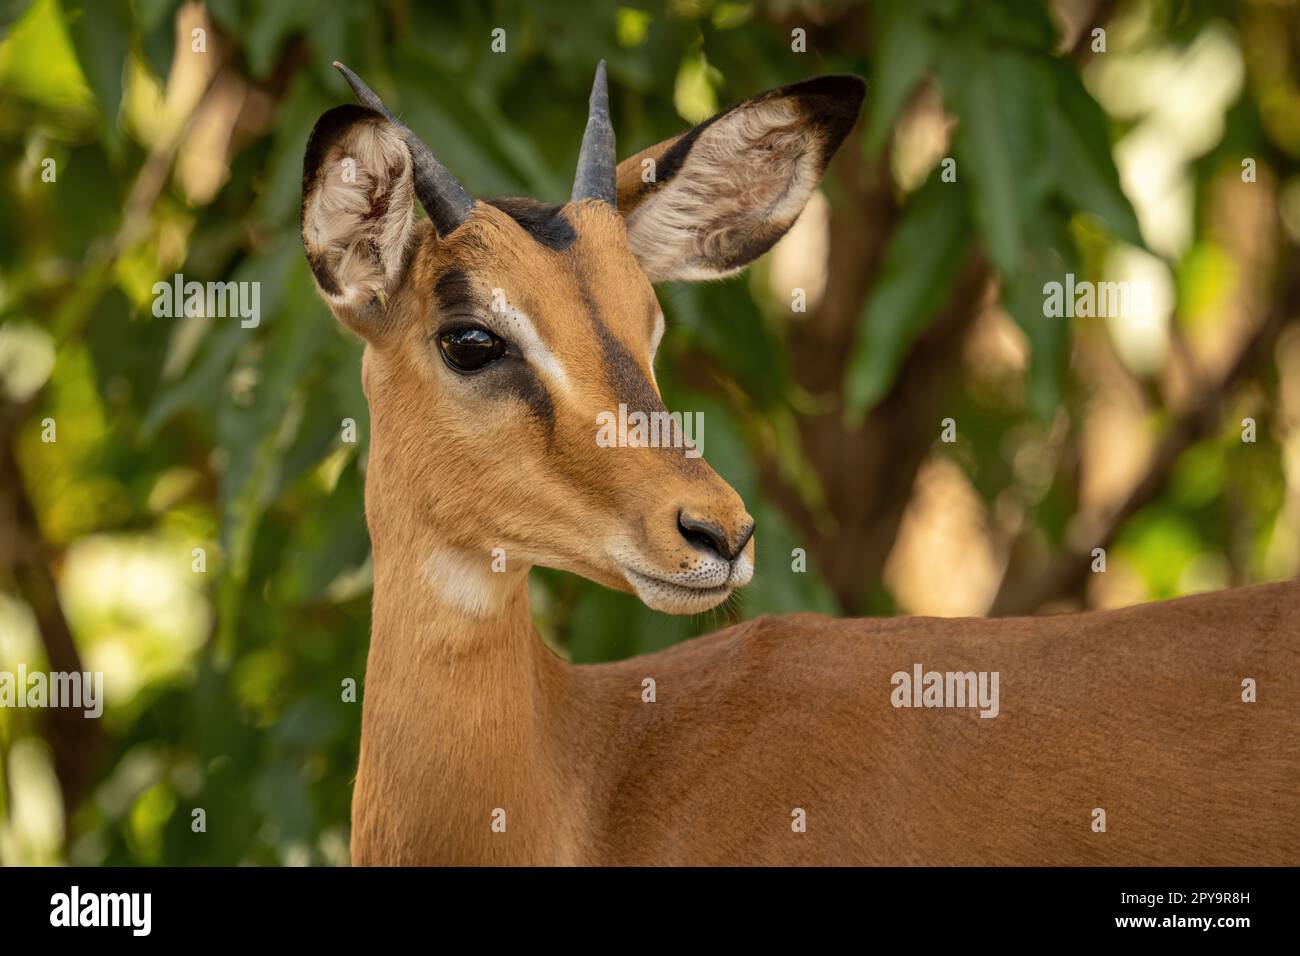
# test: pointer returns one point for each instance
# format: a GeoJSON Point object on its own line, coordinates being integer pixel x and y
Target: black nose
{"type": "Point", "coordinates": [711, 536]}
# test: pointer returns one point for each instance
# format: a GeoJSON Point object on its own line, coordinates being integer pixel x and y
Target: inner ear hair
{"type": "Point", "coordinates": [705, 204]}
{"type": "Point", "coordinates": [357, 213]}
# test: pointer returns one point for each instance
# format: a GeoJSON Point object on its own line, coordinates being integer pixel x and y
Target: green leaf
{"type": "Point", "coordinates": [916, 275]}
{"type": "Point", "coordinates": [1023, 298]}
{"type": "Point", "coordinates": [1024, 92]}
{"type": "Point", "coordinates": [905, 48]}
{"type": "Point", "coordinates": [720, 319]}
{"type": "Point", "coordinates": [206, 376]}
{"type": "Point", "coordinates": [281, 200]}
{"type": "Point", "coordinates": [1048, 342]}
{"type": "Point", "coordinates": [201, 382]}
{"type": "Point", "coordinates": [11, 11]}
{"type": "Point", "coordinates": [256, 437]}
{"type": "Point", "coordinates": [156, 24]}
{"type": "Point", "coordinates": [101, 37]}
{"type": "Point", "coordinates": [1086, 176]}
{"type": "Point", "coordinates": [775, 589]}
{"type": "Point", "coordinates": [605, 625]}
{"type": "Point", "coordinates": [273, 25]}
{"type": "Point", "coordinates": [281, 794]}
{"type": "Point", "coordinates": [468, 132]}
{"type": "Point", "coordinates": [1024, 24]}
{"type": "Point", "coordinates": [334, 541]}
{"type": "Point", "coordinates": [983, 147]}
{"type": "Point", "coordinates": [125, 347]}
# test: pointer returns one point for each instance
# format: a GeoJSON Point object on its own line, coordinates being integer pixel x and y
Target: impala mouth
{"type": "Point", "coordinates": [688, 597]}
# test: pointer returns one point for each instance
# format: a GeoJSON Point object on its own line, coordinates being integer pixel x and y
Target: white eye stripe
{"type": "Point", "coordinates": [521, 328]}
{"type": "Point", "coordinates": [515, 324]}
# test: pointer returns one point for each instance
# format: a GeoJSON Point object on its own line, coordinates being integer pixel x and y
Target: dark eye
{"type": "Point", "coordinates": [470, 349]}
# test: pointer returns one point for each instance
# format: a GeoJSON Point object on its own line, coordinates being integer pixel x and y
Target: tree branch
{"type": "Point", "coordinates": [75, 742]}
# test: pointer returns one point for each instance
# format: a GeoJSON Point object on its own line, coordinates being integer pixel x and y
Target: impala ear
{"type": "Point", "coordinates": [357, 215]}
{"type": "Point", "coordinates": [710, 201]}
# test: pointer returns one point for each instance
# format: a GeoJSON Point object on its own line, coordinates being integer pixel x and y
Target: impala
{"type": "Point", "coordinates": [497, 333]}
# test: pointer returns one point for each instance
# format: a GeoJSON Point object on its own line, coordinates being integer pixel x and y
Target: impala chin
{"type": "Point", "coordinates": [691, 592]}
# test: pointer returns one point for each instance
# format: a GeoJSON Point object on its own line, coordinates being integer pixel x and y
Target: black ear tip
{"type": "Point", "coordinates": [832, 97]}
{"type": "Point", "coordinates": [337, 119]}
{"type": "Point", "coordinates": [831, 102]}
{"type": "Point", "coordinates": [333, 123]}
{"type": "Point", "coordinates": [856, 85]}
{"type": "Point", "coordinates": [848, 87]}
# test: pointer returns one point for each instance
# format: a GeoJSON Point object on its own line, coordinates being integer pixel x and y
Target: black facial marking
{"type": "Point", "coordinates": [625, 377]}
{"type": "Point", "coordinates": [513, 376]}
{"type": "Point", "coordinates": [545, 223]}
{"type": "Point", "coordinates": [453, 290]}
{"type": "Point", "coordinates": [522, 383]}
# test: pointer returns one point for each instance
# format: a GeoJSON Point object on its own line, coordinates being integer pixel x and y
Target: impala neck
{"type": "Point", "coordinates": [463, 711]}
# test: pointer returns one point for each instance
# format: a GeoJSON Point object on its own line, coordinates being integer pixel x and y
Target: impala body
{"type": "Point", "coordinates": [497, 333]}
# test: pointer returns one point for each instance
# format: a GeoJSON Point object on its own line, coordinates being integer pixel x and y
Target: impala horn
{"type": "Point", "coordinates": [439, 192]}
{"type": "Point", "coordinates": [595, 176]}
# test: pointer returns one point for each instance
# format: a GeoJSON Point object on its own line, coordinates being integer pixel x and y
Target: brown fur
{"type": "Point", "coordinates": [466, 712]}
{"type": "Point", "coordinates": [1135, 711]}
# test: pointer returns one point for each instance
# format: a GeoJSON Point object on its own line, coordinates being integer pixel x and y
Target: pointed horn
{"type": "Point", "coordinates": [439, 192]}
{"type": "Point", "coordinates": [594, 178]}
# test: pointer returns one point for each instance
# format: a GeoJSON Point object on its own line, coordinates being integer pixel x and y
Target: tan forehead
{"type": "Point", "coordinates": [568, 274]}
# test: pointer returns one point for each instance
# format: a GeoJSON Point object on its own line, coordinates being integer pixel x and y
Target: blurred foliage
{"type": "Point", "coordinates": [176, 434]}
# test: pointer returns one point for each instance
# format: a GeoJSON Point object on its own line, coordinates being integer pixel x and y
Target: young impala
{"type": "Point", "coordinates": [497, 332]}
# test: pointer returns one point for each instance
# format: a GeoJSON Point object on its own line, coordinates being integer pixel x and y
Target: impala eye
{"type": "Point", "coordinates": [470, 348]}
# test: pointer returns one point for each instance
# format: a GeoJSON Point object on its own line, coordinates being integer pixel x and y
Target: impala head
{"type": "Point", "coordinates": [498, 332]}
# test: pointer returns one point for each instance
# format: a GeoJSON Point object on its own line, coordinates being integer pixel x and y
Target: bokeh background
{"type": "Point", "coordinates": [1171, 157]}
